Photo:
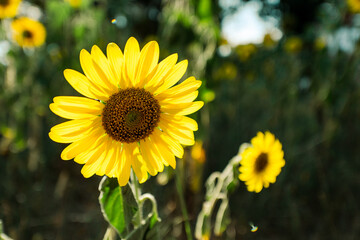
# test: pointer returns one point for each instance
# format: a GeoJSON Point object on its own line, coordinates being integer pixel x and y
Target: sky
{"type": "Point", "coordinates": [245, 25]}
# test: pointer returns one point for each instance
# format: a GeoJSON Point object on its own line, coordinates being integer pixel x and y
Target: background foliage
{"type": "Point", "coordinates": [304, 87]}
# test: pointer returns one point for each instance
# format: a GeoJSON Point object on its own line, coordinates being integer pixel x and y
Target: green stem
{"type": "Point", "coordinates": [148, 196]}
{"type": "Point", "coordinates": [137, 191]}
{"type": "Point", "coordinates": [183, 205]}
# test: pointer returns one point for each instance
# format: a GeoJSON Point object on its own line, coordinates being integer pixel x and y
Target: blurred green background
{"type": "Point", "coordinates": [291, 67]}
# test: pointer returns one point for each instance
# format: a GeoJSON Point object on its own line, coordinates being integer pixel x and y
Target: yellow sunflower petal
{"type": "Point", "coordinates": [76, 109]}
{"type": "Point", "coordinates": [184, 88]}
{"type": "Point", "coordinates": [140, 167]}
{"type": "Point", "coordinates": [164, 153]}
{"type": "Point", "coordinates": [186, 98]}
{"type": "Point", "coordinates": [78, 102]}
{"type": "Point", "coordinates": [149, 58]}
{"type": "Point", "coordinates": [82, 145]}
{"type": "Point", "coordinates": [111, 169]}
{"type": "Point", "coordinates": [180, 121]}
{"type": "Point", "coordinates": [83, 85]}
{"type": "Point", "coordinates": [162, 69]}
{"type": "Point", "coordinates": [173, 77]}
{"type": "Point", "coordinates": [67, 138]}
{"type": "Point", "coordinates": [72, 126]}
{"type": "Point", "coordinates": [149, 156]}
{"type": "Point", "coordinates": [72, 130]}
{"type": "Point", "coordinates": [133, 155]}
{"type": "Point", "coordinates": [92, 72]}
{"type": "Point", "coordinates": [108, 161]}
{"type": "Point", "coordinates": [116, 59]}
{"type": "Point", "coordinates": [165, 140]}
{"type": "Point", "coordinates": [9, 9]}
{"type": "Point", "coordinates": [258, 186]}
{"type": "Point", "coordinates": [258, 140]}
{"type": "Point", "coordinates": [94, 154]}
{"type": "Point", "coordinates": [124, 167]}
{"type": "Point", "coordinates": [67, 113]}
{"type": "Point", "coordinates": [269, 140]}
{"type": "Point", "coordinates": [95, 160]}
{"type": "Point", "coordinates": [131, 56]}
{"type": "Point", "coordinates": [183, 108]}
{"type": "Point", "coordinates": [185, 137]}
{"type": "Point", "coordinates": [104, 66]}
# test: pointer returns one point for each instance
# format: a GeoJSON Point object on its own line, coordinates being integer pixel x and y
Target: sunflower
{"type": "Point", "coordinates": [8, 8]}
{"type": "Point", "coordinates": [74, 3]}
{"type": "Point", "coordinates": [261, 163]}
{"type": "Point", "coordinates": [132, 115]}
{"type": "Point", "coordinates": [354, 5]}
{"type": "Point", "coordinates": [28, 32]}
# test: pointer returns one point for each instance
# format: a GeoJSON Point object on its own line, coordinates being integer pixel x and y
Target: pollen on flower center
{"type": "Point", "coordinates": [261, 162]}
{"type": "Point", "coordinates": [4, 2]}
{"type": "Point", "coordinates": [130, 115]}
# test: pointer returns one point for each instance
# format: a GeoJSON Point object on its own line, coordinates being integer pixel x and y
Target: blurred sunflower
{"type": "Point", "coordinates": [262, 162]}
{"type": "Point", "coordinates": [132, 115]}
{"type": "Point", "coordinates": [74, 3]}
{"type": "Point", "coordinates": [268, 41]}
{"type": "Point", "coordinates": [354, 5]}
{"type": "Point", "coordinates": [8, 8]}
{"type": "Point", "coordinates": [28, 32]}
{"type": "Point", "coordinates": [293, 45]}
{"type": "Point", "coordinates": [245, 51]}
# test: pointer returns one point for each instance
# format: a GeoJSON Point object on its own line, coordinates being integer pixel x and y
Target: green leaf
{"type": "Point", "coordinates": [58, 12]}
{"type": "Point", "coordinates": [118, 205]}
{"type": "Point", "coordinates": [153, 220]}
{"type": "Point", "coordinates": [204, 10]}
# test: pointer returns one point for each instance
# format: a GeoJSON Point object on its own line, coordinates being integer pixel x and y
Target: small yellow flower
{"type": "Point", "coordinates": [320, 43]}
{"type": "Point", "coordinates": [227, 71]}
{"type": "Point", "coordinates": [205, 236]}
{"type": "Point", "coordinates": [293, 45]}
{"type": "Point", "coordinates": [8, 8]}
{"type": "Point", "coordinates": [196, 166]}
{"type": "Point", "coordinates": [245, 51]}
{"type": "Point", "coordinates": [28, 32]}
{"type": "Point", "coordinates": [268, 41]}
{"type": "Point", "coordinates": [198, 152]}
{"type": "Point", "coordinates": [354, 5]}
{"type": "Point", "coordinates": [132, 115]}
{"type": "Point", "coordinates": [262, 162]}
{"type": "Point", "coordinates": [74, 3]}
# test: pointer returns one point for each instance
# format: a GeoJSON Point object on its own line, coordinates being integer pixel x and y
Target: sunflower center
{"type": "Point", "coordinates": [130, 115]}
{"type": "Point", "coordinates": [261, 162]}
{"type": "Point", "coordinates": [4, 2]}
{"type": "Point", "coordinates": [27, 34]}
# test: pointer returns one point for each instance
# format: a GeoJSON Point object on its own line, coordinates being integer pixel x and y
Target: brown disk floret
{"type": "Point", "coordinates": [261, 162]}
{"type": "Point", "coordinates": [130, 115]}
{"type": "Point", "coordinates": [4, 3]}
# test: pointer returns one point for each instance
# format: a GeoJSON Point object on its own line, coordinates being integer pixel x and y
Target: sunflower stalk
{"type": "Point", "coordinates": [184, 211]}
{"type": "Point", "coordinates": [218, 186]}
{"type": "Point", "coordinates": [110, 234]}
{"type": "Point", "coordinates": [151, 198]}
{"type": "Point", "coordinates": [137, 195]}
{"type": "Point", "coordinates": [3, 236]}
